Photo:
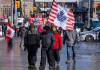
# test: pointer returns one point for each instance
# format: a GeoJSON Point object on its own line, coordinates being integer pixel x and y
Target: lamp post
{"type": "Point", "coordinates": [24, 9]}
{"type": "Point", "coordinates": [34, 6]}
{"type": "Point", "coordinates": [12, 11]}
{"type": "Point", "coordinates": [89, 11]}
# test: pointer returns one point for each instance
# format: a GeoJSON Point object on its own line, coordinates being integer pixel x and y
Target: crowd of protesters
{"type": "Point", "coordinates": [51, 40]}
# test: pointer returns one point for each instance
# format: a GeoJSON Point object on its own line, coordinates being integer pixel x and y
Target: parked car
{"type": "Point", "coordinates": [95, 24]}
{"type": "Point", "coordinates": [90, 35]}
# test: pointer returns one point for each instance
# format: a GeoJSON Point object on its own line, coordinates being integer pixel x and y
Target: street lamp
{"type": "Point", "coordinates": [89, 10]}
{"type": "Point", "coordinates": [24, 9]}
{"type": "Point", "coordinates": [33, 3]}
{"type": "Point", "coordinates": [12, 10]}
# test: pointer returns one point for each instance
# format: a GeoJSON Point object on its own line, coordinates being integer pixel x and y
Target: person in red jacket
{"type": "Point", "coordinates": [57, 45]}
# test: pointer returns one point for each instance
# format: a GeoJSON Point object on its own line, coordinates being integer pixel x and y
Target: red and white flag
{"type": "Point", "coordinates": [61, 17]}
{"type": "Point", "coordinates": [10, 31]}
{"type": "Point", "coordinates": [70, 20]}
{"type": "Point", "coordinates": [38, 20]}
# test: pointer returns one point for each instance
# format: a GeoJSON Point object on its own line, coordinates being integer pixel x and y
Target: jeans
{"type": "Point", "coordinates": [70, 52]}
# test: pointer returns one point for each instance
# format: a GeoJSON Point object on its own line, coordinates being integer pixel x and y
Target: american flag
{"type": "Point", "coordinates": [61, 17]}
{"type": "Point", "coordinates": [70, 21]}
{"type": "Point", "coordinates": [38, 21]}
{"type": "Point", "coordinates": [53, 13]}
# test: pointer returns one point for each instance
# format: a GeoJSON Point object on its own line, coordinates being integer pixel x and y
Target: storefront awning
{"type": "Point", "coordinates": [98, 4]}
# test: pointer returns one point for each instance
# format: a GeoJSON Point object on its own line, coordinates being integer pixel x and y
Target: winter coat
{"type": "Point", "coordinates": [48, 40]}
{"type": "Point", "coordinates": [71, 38]}
{"type": "Point", "coordinates": [31, 38]}
{"type": "Point", "coordinates": [58, 41]}
{"type": "Point", "coordinates": [22, 32]}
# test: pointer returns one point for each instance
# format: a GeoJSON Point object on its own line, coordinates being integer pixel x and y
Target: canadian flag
{"type": "Point", "coordinates": [9, 32]}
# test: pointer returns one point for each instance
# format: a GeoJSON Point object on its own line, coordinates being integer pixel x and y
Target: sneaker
{"type": "Point", "coordinates": [69, 61]}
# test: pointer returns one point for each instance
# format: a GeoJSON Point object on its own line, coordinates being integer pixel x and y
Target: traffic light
{"type": "Point", "coordinates": [18, 4]}
{"type": "Point", "coordinates": [35, 9]}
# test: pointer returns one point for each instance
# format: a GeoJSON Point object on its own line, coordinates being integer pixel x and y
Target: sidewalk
{"type": "Point", "coordinates": [2, 38]}
{"type": "Point", "coordinates": [87, 57]}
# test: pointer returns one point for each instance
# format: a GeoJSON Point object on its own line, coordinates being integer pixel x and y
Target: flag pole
{"type": "Point", "coordinates": [12, 9]}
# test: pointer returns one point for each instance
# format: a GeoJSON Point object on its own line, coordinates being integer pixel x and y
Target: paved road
{"type": "Point", "coordinates": [88, 57]}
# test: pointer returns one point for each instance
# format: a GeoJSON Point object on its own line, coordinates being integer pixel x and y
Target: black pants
{"type": "Point", "coordinates": [10, 44]}
{"type": "Point", "coordinates": [69, 49]}
{"type": "Point", "coordinates": [49, 54]}
{"type": "Point", "coordinates": [56, 55]}
{"type": "Point", "coordinates": [32, 54]}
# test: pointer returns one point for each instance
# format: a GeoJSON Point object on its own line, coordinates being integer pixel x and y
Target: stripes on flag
{"type": "Point", "coordinates": [70, 21]}
{"type": "Point", "coordinates": [53, 13]}
{"type": "Point", "coordinates": [69, 25]}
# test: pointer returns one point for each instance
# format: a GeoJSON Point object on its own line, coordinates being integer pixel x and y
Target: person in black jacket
{"type": "Point", "coordinates": [47, 48]}
{"type": "Point", "coordinates": [31, 43]}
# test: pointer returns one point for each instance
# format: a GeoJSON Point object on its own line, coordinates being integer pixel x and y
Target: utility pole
{"type": "Point", "coordinates": [33, 3]}
{"type": "Point", "coordinates": [12, 10]}
{"type": "Point", "coordinates": [24, 9]}
{"type": "Point", "coordinates": [34, 7]}
{"type": "Point", "coordinates": [89, 12]}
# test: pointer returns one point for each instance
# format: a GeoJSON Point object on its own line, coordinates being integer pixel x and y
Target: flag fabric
{"type": "Point", "coordinates": [61, 17]}
{"type": "Point", "coordinates": [70, 21]}
{"type": "Point", "coordinates": [31, 20]}
{"type": "Point", "coordinates": [38, 20]}
{"type": "Point", "coordinates": [10, 31]}
{"type": "Point", "coordinates": [53, 12]}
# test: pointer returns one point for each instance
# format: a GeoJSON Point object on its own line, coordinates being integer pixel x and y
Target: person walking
{"type": "Point", "coordinates": [71, 39]}
{"type": "Point", "coordinates": [32, 43]}
{"type": "Point", "coordinates": [22, 35]}
{"type": "Point", "coordinates": [9, 36]}
{"type": "Point", "coordinates": [57, 45]}
{"type": "Point", "coordinates": [48, 41]}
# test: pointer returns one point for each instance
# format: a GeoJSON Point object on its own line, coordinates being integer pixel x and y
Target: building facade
{"type": "Point", "coordinates": [96, 7]}
{"type": "Point", "coordinates": [43, 5]}
{"type": "Point", "coordinates": [5, 7]}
